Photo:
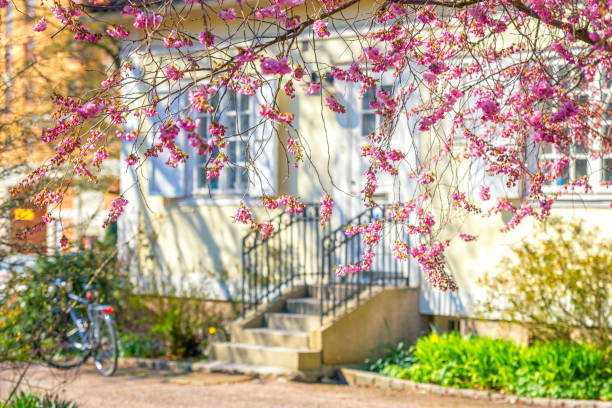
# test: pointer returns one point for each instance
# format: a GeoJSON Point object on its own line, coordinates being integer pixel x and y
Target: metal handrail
{"type": "Point", "coordinates": [298, 253]}
{"type": "Point", "coordinates": [275, 264]}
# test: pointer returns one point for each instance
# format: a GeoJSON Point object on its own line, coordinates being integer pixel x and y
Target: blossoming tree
{"type": "Point", "coordinates": [30, 77]}
{"type": "Point", "coordinates": [520, 86]}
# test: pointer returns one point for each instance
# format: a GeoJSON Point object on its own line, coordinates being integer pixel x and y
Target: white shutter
{"type": "Point", "coordinates": [263, 148]}
{"type": "Point", "coordinates": [478, 167]}
{"type": "Point", "coordinates": [406, 139]}
{"type": "Point", "coordinates": [166, 181]}
{"type": "Point", "coordinates": [347, 94]}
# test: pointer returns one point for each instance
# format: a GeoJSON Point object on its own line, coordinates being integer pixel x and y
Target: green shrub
{"type": "Point", "coordinates": [558, 284]}
{"type": "Point", "coordinates": [183, 326]}
{"type": "Point", "coordinates": [555, 369]}
{"type": "Point", "coordinates": [399, 356]}
{"type": "Point", "coordinates": [135, 345]}
{"type": "Point", "coordinates": [32, 400]}
{"type": "Point", "coordinates": [25, 302]}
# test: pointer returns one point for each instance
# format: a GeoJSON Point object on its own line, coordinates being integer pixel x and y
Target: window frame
{"type": "Point", "coordinates": [595, 166]}
{"type": "Point", "coordinates": [200, 185]}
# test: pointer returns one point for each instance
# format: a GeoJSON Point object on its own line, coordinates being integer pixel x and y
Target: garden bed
{"type": "Point", "coordinates": [356, 377]}
{"type": "Point", "coordinates": [544, 370]}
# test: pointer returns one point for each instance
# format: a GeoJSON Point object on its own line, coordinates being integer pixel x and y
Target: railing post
{"type": "Point", "coordinates": [243, 288]}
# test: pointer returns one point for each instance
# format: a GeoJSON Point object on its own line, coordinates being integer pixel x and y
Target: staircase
{"type": "Point", "coordinates": [291, 298]}
{"type": "Point", "coordinates": [281, 340]}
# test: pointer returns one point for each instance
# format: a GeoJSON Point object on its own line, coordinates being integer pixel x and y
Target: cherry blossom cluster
{"type": "Point", "coordinates": [291, 204]}
{"type": "Point", "coordinates": [456, 78]}
{"type": "Point", "coordinates": [244, 215]}
{"type": "Point", "coordinates": [117, 208]}
{"type": "Point", "coordinates": [327, 207]}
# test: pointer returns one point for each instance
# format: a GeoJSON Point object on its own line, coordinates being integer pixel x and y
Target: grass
{"type": "Point", "coordinates": [33, 400]}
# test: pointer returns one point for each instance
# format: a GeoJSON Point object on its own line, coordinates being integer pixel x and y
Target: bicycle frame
{"type": "Point", "coordinates": [94, 313]}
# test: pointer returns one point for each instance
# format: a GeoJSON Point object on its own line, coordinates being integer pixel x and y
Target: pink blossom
{"type": "Point", "coordinates": [274, 66]}
{"type": "Point", "coordinates": [100, 155]}
{"type": "Point", "coordinates": [207, 38]}
{"type": "Point", "coordinates": [431, 258]}
{"type": "Point", "coordinates": [173, 73]}
{"type": "Point", "coordinates": [489, 107]}
{"type": "Point", "coordinates": [320, 29]}
{"type": "Point", "coordinates": [292, 22]}
{"type": "Point", "coordinates": [243, 214]}
{"type": "Point", "coordinates": [313, 88]}
{"type": "Point", "coordinates": [118, 32]}
{"type": "Point", "coordinates": [41, 25]}
{"type": "Point", "coordinates": [271, 11]}
{"type": "Point", "coordinates": [426, 178]}
{"type": "Point", "coordinates": [334, 105]}
{"type": "Point", "coordinates": [290, 3]}
{"type": "Point", "coordinates": [174, 40]}
{"type": "Point", "coordinates": [467, 237]}
{"type": "Point", "coordinates": [430, 77]}
{"type": "Point", "coordinates": [267, 111]}
{"type": "Point", "coordinates": [187, 124]}
{"type": "Point", "coordinates": [227, 15]}
{"type": "Point", "coordinates": [127, 136]}
{"type": "Point", "coordinates": [117, 207]}
{"type": "Point", "coordinates": [484, 193]}
{"type": "Point", "coordinates": [144, 21]}
{"type": "Point", "coordinates": [397, 10]}
{"type": "Point", "coordinates": [131, 160]}
{"type": "Point", "coordinates": [199, 98]}
{"type": "Point", "coordinates": [400, 250]}
{"type": "Point", "coordinates": [265, 229]}
{"type": "Point", "coordinates": [89, 109]}
{"type": "Point", "coordinates": [327, 206]}
{"type": "Point", "coordinates": [291, 204]}
{"type": "Point", "coordinates": [4, 3]}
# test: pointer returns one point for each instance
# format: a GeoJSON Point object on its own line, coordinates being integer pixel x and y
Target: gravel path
{"type": "Point", "coordinates": [134, 388]}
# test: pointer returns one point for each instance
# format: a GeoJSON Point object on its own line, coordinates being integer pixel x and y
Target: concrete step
{"type": "Point", "coordinates": [292, 321]}
{"type": "Point", "coordinates": [308, 306]}
{"type": "Point", "coordinates": [339, 290]}
{"type": "Point", "coordinates": [251, 354]}
{"type": "Point", "coordinates": [264, 336]}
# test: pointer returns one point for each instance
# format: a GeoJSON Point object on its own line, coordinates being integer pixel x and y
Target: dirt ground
{"type": "Point", "coordinates": [134, 388]}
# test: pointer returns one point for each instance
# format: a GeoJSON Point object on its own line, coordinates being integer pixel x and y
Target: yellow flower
{"type": "Point", "coordinates": [212, 330]}
{"type": "Point", "coordinates": [434, 338]}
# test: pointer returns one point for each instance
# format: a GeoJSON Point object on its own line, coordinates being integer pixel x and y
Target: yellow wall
{"type": "Point", "coordinates": [197, 244]}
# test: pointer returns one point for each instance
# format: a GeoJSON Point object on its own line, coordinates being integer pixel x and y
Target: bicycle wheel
{"type": "Point", "coordinates": [60, 343]}
{"type": "Point", "coordinates": [106, 351]}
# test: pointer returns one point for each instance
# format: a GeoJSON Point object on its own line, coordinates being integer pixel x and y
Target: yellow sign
{"type": "Point", "coordinates": [23, 214]}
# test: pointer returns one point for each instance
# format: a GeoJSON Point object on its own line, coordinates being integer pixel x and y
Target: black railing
{"type": "Point", "coordinates": [299, 252]}
{"type": "Point", "coordinates": [337, 293]}
{"type": "Point", "coordinates": [287, 258]}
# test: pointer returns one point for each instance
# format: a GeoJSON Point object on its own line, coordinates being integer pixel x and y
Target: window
{"type": "Point", "coordinates": [596, 170]}
{"type": "Point", "coordinates": [370, 121]}
{"type": "Point", "coordinates": [577, 168]}
{"type": "Point", "coordinates": [234, 110]}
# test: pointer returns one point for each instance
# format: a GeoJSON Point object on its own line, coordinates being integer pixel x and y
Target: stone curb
{"type": "Point", "coordinates": [361, 378]}
{"type": "Point", "coordinates": [160, 364]}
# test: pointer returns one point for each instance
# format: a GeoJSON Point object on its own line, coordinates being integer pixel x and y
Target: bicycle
{"type": "Point", "coordinates": [68, 338]}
